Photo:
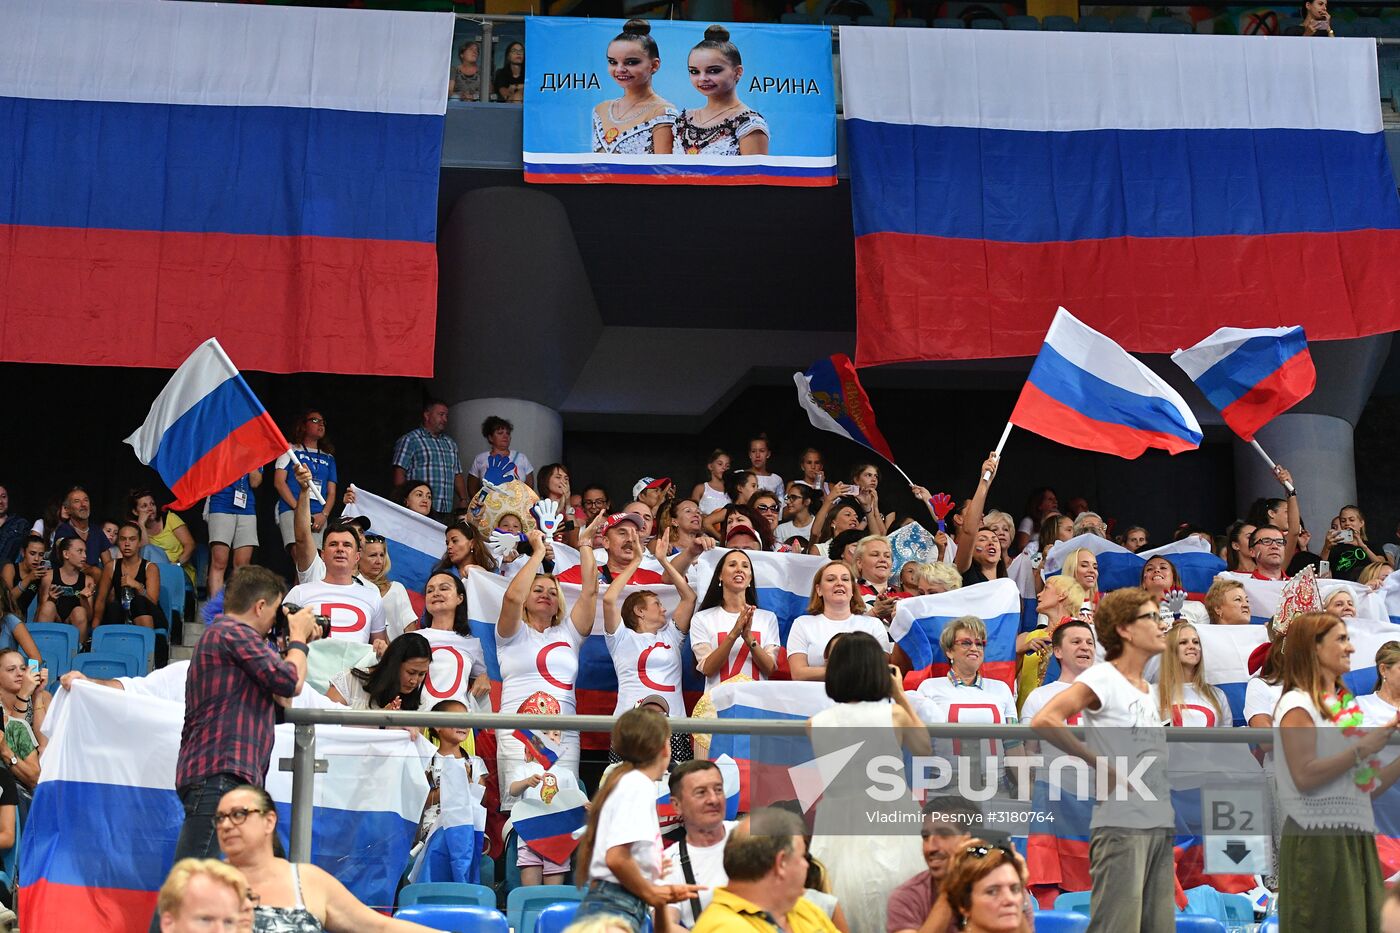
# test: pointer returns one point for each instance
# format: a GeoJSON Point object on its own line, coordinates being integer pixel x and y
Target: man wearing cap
{"type": "Point", "coordinates": [654, 491]}
{"type": "Point", "coordinates": [621, 548]}
{"type": "Point", "coordinates": [743, 537]}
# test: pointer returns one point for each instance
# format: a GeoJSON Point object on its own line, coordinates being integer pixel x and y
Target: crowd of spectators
{"type": "Point", "coordinates": [1111, 661]}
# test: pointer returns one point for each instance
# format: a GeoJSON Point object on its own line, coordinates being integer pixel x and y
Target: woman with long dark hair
{"type": "Point", "coordinates": [509, 80]}
{"type": "Point", "coordinates": [724, 126]}
{"type": "Point", "coordinates": [730, 635]}
{"type": "Point", "coordinates": [458, 671]}
{"type": "Point", "coordinates": [394, 683]}
{"type": "Point", "coordinates": [317, 454]}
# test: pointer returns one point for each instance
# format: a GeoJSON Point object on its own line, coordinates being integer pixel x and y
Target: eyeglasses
{"type": "Point", "coordinates": [237, 816]}
{"type": "Point", "coordinates": [765, 508]}
{"type": "Point", "coordinates": [315, 420]}
{"type": "Point", "coordinates": [970, 643]}
{"type": "Point", "coordinates": [1154, 616]}
{"type": "Point", "coordinates": [1269, 542]}
{"type": "Point", "coordinates": [595, 501]}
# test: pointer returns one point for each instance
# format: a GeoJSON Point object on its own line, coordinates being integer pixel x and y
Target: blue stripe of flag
{"type": "Point", "coordinates": [207, 424]}
{"type": "Point", "coordinates": [1249, 364]}
{"type": "Point", "coordinates": [1103, 401]}
{"type": "Point", "coordinates": [1001, 639]}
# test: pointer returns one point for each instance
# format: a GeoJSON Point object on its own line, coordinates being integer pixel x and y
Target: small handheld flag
{"type": "Point", "coordinates": [831, 394]}
{"type": "Point", "coordinates": [1251, 375]}
{"type": "Point", "coordinates": [1086, 391]}
{"type": "Point", "coordinates": [536, 748]}
{"type": "Point", "coordinates": [206, 428]}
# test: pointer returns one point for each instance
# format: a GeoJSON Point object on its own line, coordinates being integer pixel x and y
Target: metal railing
{"type": "Point", "coordinates": [304, 766]}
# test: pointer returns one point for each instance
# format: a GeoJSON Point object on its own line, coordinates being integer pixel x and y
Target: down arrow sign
{"type": "Point", "coordinates": [1237, 851]}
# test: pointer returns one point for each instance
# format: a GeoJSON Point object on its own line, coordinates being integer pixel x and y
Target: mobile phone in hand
{"type": "Point", "coordinates": [34, 665]}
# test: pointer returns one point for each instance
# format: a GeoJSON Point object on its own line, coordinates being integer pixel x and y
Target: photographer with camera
{"type": "Point", "coordinates": [235, 683]}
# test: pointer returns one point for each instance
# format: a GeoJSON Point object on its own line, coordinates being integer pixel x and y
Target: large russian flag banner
{"type": "Point", "coordinates": [267, 174]}
{"type": "Point", "coordinates": [998, 175]}
{"type": "Point", "coordinates": [102, 829]}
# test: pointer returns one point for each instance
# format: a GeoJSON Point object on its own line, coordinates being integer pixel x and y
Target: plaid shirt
{"type": "Point", "coordinates": [229, 706]}
{"type": "Point", "coordinates": [432, 459]}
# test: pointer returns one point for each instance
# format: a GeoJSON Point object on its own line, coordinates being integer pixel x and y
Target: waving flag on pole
{"type": "Point", "coordinates": [1251, 375]}
{"type": "Point", "coordinates": [831, 394]}
{"type": "Point", "coordinates": [1085, 391]}
{"type": "Point", "coordinates": [206, 428]}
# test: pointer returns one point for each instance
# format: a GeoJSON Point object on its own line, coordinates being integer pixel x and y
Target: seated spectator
{"type": "Point", "coordinates": [874, 564]}
{"type": "Point", "coordinates": [1227, 603]}
{"type": "Point", "coordinates": [730, 635]}
{"type": "Point", "coordinates": [768, 506]}
{"type": "Point", "coordinates": [232, 517]}
{"type": "Point", "coordinates": [313, 451]}
{"type": "Point", "coordinates": [498, 464]}
{"type": "Point", "coordinates": [743, 538]}
{"type": "Point", "coordinates": [509, 80]}
{"type": "Point", "coordinates": [697, 792]}
{"type": "Point", "coordinates": [25, 703]}
{"type": "Point", "coordinates": [1163, 581]}
{"type": "Point", "coordinates": [797, 512]}
{"type": "Point", "coordinates": [1060, 599]}
{"type": "Point", "coordinates": [1267, 545]}
{"type": "Point", "coordinates": [374, 569]}
{"type": "Point", "coordinates": [1346, 548]}
{"type": "Point", "coordinates": [840, 511]}
{"type": "Point", "coordinates": [465, 549]}
{"type": "Point", "coordinates": [1238, 558]}
{"type": "Point", "coordinates": [986, 888]}
{"type": "Point", "coordinates": [289, 896]}
{"type": "Point", "coordinates": [1082, 566]}
{"type": "Point", "coordinates": [29, 580]}
{"type": "Point", "coordinates": [72, 589]}
{"type": "Point", "coordinates": [765, 861]}
{"type": "Point", "coordinates": [466, 77]}
{"type": "Point", "coordinates": [394, 683]}
{"type": "Point", "coordinates": [683, 519]}
{"type": "Point", "coordinates": [1183, 696]}
{"type": "Point", "coordinates": [739, 487]}
{"type": "Point", "coordinates": [652, 491]}
{"type": "Point", "coordinates": [170, 533]}
{"type": "Point", "coordinates": [414, 494]}
{"type": "Point", "coordinates": [554, 485]}
{"type": "Point", "coordinates": [1317, 22]}
{"type": "Point", "coordinates": [1341, 604]}
{"type": "Point", "coordinates": [843, 546]}
{"type": "Point", "coordinates": [129, 592]}
{"type": "Point", "coordinates": [835, 606]}
{"type": "Point", "coordinates": [13, 530]}
{"type": "Point", "coordinates": [1135, 538]}
{"type": "Point", "coordinates": [1373, 575]}
{"type": "Point", "coordinates": [1073, 646]}
{"type": "Point", "coordinates": [1042, 503]}
{"type": "Point", "coordinates": [202, 895]}
{"type": "Point", "coordinates": [648, 518]}
{"type": "Point", "coordinates": [964, 694]}
{"type": "Point", "coordinates": [935, 577]}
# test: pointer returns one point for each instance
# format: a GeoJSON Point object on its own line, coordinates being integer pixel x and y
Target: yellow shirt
{"type": "Point", "coordinates": [730, 913]}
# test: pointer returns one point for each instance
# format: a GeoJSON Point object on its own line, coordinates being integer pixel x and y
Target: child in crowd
{"type": "Point", "coordinates": [538, 782]}
{"type": "Point", "coordinates": [453, 744]}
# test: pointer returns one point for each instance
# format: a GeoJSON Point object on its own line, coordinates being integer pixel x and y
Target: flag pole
{"type": "Point", "coordinates": [1273, 466]}
{"type": "Point", "coordinates": [996, 454]}
{"type": "Point", "coordinates": [314, 489]}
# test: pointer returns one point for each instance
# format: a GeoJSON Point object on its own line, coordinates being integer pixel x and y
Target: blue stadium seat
{"type": "Point", "coordinates": [556, 917]}
{"type": "Point", "coordinates": [1270, 925]}
{"type": "Point", "coordinates": [797, 18]}
{"type": "Point", "coordinates": [1195, 923]}
{"type": "Point", "coordinates": [872, 21]}
{"type": "Point", "coordinates": [1059, 24]}
{"type": "Point", "coordinates": [1130, 23]}
{"type": "Point", "coordinates": [455, 918]}
{"type": "Point", "coordinates": [948, 22]}
{"type": "Point", "coordinates": [488, 871]}
{"type": "Point", "coordinates": [1362, 26]}
{"type": "Point", "coordinates": [172, 586]}
{"type": "Point", "coordinates": [1239, 910]}
{"type": "Point", "coordinates": [524, 904]}
{"type": "Point", "coordinates": [988, 24]}
{"type": "Point", "coordinates": [58, 643]}
{"type": "Point", "coordinates": [1170, 25]}
{"type": "Point", "coordinates": [447, 892]}
{"type": "Point", "coordinates": [1022, 22]}
{"type": "Point", "coordinates": [132, 640]}
{"type": "Point", "coordinates": [11, 856]}
{"type": "Point", "coordinates": [1060, 921]}
{"type": "Point", "coordinates": [1093, 23]}
{"type": "Point", "coordinates": [911, 22]}
{"type": "Point", "coordinates": [104, 666]}
{"type": "Point", "coordinates": [1073, 902]}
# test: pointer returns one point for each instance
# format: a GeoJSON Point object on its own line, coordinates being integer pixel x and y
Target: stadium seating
{"type": "Point", "coordinates": [1059, 24]}
{"type": "Point", "coordinates": [1022, 22]}
{"type": "Point", "coordinates": [555, 918]}
{"type": "Point", "coordinates": [871, 21]}
{"type": "Point", "coordinates": [1270, 925]}
{"type": "Point", "coordinates": [58, 643]}
{"type": "Point", "coordinates": [1073, 901]}
{"type": "Point", "coordinates": [455, 918]}
{"type": "Point", "coordinates": [447, 892]}
{"type": "Point", "coordinates": [797, 18]}
{"type": "Point", "coordinates": [948, 22]}
{"type": "Point", "coordinates": [911, 22]}
{"type": "Point", "coordinates": [1060, 921]}
{"type": "Point", "coordinates": [1130, 22]}
{"type": "Point", "coordinates": [523, 905]}
{"type": "Point", "coordinates": [1170, 25]}
{"type": "Point", "coordinates": [988, 24]}
{"type": "Point", "coordinates": [135, 641]}
{"type": "Point", "coordinates": [105, 666]}
{"type": "Point", "coordinates": [1239, 910]}
{"type": "Point", "coordinates": [1194, 923]}
{"type": "Point", "coordinates": [1094, 24]}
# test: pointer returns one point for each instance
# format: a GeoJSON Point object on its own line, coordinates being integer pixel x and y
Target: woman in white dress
{"type": "Point", "coordinates": [870, 705]}
{"type": "Point", "coordinates": [725, 126]}
{"type": "Point", "coordinates": [1183, 696]}
{"type": "Point", "coordinates": [640, 122]}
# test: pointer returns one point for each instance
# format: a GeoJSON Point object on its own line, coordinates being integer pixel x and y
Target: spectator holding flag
{"type": "Point", "coordinates": [835, 607]}
{"type": "Point", "coordinates": [540, 780]}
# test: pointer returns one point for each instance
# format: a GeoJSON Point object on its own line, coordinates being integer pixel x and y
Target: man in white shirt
{"type": "Point", "coordinates": [355, 608]}
{"type": "Point", "coordinates": [697, 793]}
{"type": "Point", "coordinates": [1073, 646]}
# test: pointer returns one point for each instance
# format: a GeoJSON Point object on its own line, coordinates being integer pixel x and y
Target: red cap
{"type": "Point", "coordinates": [618, 518]}
{"type": "Point", "coordinates": [738, 530]}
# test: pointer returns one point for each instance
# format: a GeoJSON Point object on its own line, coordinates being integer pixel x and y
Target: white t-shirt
{"type": "Point", "coordinates": [1127, 725]}
{"type": "Point", "coordinates": [708, 630]}
{"type": "Point", "coordinates": [1036, 701]}
{"type": "Point", "coordinates": [355, 609]}
{"type": "Point", "coordinates": [991, 704]}
{"type": "Point", "coordinates": [1196, 710]}
{"type": "Point", "coordinates": [629, 818]}
{"type": "Point", "coordinates": [398, 611]}
{"type": "Point", "coordinates": [809, 634]}
{"type": "Point", "coordinates": [1377, 711]}
{"type": "Point", "coordinates": [787, 530]}
{"type": "Point", "coordinates": [166, 683]}
{"type": "Point", "coordinates": [707, 866]}
{"type": "Point", "coordinates": [647, 664]}
{"type": "Point", "coordinates": [1260, 697]}
{"type": "Point", "coordinates": [773, 483]}
{"type": "Point", "coordinates": [1339, 802]}
{"type": "Point", "coordinates": [539, 662]}
{"type": "Point", "coordinates": [315, 573]}
{"type": "Point", "coordinates": [519, 460]}
{"type": "Point", "coordinates": [457, 661]}
{"type": "Point", "coordinates": [350, 687]}
{"type": "Point", "coordinates": [567, 781]}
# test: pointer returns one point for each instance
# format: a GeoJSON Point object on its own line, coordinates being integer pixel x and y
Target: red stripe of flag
{"type": "Point", "coordinates": [254, 442]}
{"type": "Point", "coordinates": [1039, 413]}
{"type": "Point", "coordinates": [1281, 390]}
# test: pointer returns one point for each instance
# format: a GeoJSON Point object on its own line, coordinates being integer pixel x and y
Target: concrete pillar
{"type": "Point", "coordinates": [539, 431]}
{"type": "Point", "coordinates": [1317, 450]}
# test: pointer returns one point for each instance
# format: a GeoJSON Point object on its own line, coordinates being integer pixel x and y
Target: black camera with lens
{"type": "Point", "coordinates": [281, 628]}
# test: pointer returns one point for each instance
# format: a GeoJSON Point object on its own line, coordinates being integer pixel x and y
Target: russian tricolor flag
{"type": "Point", "coordinates": [1085, 391]}
{"type": "Point", "coordinates": [414, 542]}
{"type": "Point", "coordinates": [549, 829]}
{"type": "Point", "coordinates": [206, 428]}
{"type": "Point", "coordinates": [1251, 376]}
{"type": "Point", "coordinates": [996, 175]}
{"type": "Point", "coordinates": [919, 620]}
{"type": "Point", "coordinates": [536, 747]}
{"type": "Point", "coordinates": [831, 394]}
{"type": "Point", "coordinates": [266, 173]}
